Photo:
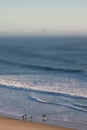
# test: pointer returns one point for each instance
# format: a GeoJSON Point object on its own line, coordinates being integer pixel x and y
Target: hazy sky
{"type": "Point", "coordinates": [55, 16]}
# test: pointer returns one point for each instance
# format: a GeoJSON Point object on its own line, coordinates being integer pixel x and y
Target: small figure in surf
{"type": "Point", "coordinates": [44, 118]}
{"type": "Point", "coordinates": [30, 118]}
{"type": "Point", "coordinates": [24, 117]}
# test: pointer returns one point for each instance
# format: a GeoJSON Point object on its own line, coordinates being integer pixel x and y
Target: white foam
{"type": "Point", "coordinates": [59, 85]}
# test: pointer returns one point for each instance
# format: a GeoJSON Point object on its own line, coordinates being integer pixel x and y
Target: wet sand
{"type": "Point", "coordinates": [14, 124]}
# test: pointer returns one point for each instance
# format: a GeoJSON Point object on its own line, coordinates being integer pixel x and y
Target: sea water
{"type": "Point", "coordinates": [44, 76]}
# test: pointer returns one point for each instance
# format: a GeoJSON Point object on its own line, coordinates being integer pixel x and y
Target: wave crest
{"type": "Point", "coordinates": [43, 68]}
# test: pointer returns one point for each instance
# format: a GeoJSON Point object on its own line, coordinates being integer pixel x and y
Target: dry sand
{"type": "Point", "coordinates": [13, 124]}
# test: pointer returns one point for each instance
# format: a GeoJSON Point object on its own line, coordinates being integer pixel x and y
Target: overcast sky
{"type": "Point", "coordinates": [44, 16]}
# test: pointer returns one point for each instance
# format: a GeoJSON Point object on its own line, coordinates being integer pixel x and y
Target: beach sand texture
{"type": "Point", "coordinates": [13, 124]}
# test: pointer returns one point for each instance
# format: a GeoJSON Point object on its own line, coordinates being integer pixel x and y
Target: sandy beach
{"type": "Point", "coordinates": [12, 124]}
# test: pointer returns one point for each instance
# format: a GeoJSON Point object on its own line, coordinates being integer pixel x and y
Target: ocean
{"type": "Point", "coordinates": [44, 76]}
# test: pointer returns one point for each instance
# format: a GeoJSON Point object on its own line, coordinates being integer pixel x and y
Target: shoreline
{"type": "Point", "coordinates": [12, 124]}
